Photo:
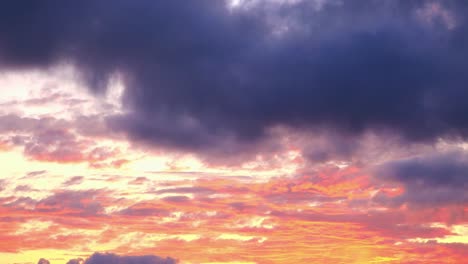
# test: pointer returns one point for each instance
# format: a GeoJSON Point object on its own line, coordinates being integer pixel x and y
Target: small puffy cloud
{"type": "Point", "coordinates": [76, 261]}
{"type": "Point", "coordinates": [43, 261]}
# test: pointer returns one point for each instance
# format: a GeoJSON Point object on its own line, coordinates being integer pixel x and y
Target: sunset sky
{"type": "Point", "coordinates": [233, 131]}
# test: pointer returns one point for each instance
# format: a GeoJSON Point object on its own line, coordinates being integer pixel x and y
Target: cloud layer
{"type": "Point", "coordinates": [221, 131]}
{"type": "Point", "coordinates": [201, 73]}
{"type": "Point", "coordinates": [108, 258]}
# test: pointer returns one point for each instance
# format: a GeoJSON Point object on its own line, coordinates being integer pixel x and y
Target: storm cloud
{"type": "Point", "coordinates": [198, 73]}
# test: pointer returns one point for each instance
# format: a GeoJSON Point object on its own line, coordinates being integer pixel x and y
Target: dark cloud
{"type": "Point", "coordinates": [201, 75]}
{"type": "Point", "coordinates": [436, 179]}
{"type": "Point", "coordinates": [440, 169]}
{"type": "Point", "coordinates": [98, 258]}
{"type": "Point", "coordinates": [76, 261]}
{"type": "Point", "coordinates": [43, 261]}
{"type": "Point", "coordinates": [108, 258]}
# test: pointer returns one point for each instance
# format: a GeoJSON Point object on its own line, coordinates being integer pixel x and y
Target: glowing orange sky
{"type": "Point", "coordinates": [68, 192]}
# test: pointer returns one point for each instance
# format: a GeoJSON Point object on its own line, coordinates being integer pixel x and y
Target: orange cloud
{"type": "Point", "coordinates": [309, 219]}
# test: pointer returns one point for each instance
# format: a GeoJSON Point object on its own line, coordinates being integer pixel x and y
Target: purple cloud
{"type": "Point", "coordinates": [99, 258]}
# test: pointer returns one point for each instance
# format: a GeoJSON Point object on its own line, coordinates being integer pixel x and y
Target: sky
{"type": "Point", "coordinates": [233, 131]}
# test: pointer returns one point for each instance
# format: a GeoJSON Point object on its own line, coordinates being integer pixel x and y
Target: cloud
{"type": "Point", "coordinates": [278, 210]}
{"type": "Point", "coordinates": [74, 203]}
{"type": "Point", "coordinates": [108, 258]}
{"type": "Point", "coordinates": [74, 180]}
{"type": "Point", "coordinates": [145, 209]}
{"type": "Point", "coordinates": [99, 258]}
{"type": "Point", "coordinates": [3, 184]}
{"type": "Point", "coordinates": [193, 190]}
{"type": "Point", "coordinates": [35, 173]}
{"type": "Point", "coordinates": [58, 140]}
{"type": "Point", "coordinates": [55, 145]}
{"type": "Point", "coordinates": [177, 199]}
{"type": "Point", "coordinates": [43, 261]}
{"type": "Point", "coordinates": [24, 188]}
{"type": "Point", "coordinates": [222, 77]}
{"type": "Point", "coordinates": [435, 179]}
{"type": "Point", "coordinates": [76, 261]}
{"type": "Point", "coordinates": [438, 169]}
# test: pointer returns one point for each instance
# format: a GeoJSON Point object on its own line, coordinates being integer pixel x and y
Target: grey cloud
{"type": "Point", "coordinates": [436, 179]}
